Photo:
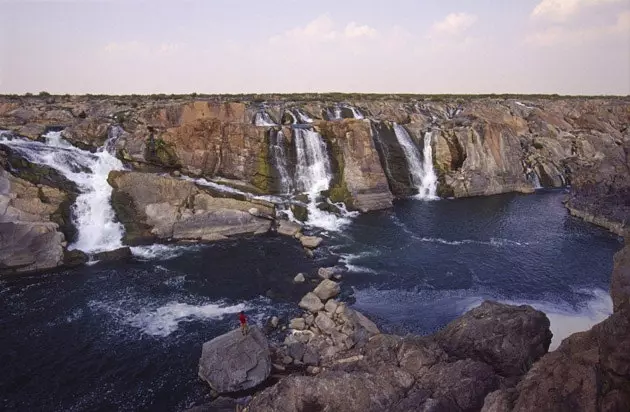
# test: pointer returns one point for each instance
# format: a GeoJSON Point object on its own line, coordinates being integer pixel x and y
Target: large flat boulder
{"type": "Point", "coordinates": [234, 362]}
{"type": "Point", "coordinates": [163, 207]}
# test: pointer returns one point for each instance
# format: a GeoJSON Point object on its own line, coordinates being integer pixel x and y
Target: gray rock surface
{"type": "Point", "coordinates": [327, 289]}
{"type": "Point", "coordinates": [620, 284]}
{"type": "Point", "coordinates": [311, 302]}
{"type": "Point", "coordinates": [508, 338]}
{"type": "Point", "coordinates": [311, 242]}
{"type": "Point", "coordinates": [234, 362]}
{"type": "Point", "coordinates": [29, 240]}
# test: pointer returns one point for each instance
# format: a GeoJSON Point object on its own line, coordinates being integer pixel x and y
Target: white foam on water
{"type": "Point", "coordinates": [161, 252]}
{"type": "Point", "coordinates": [166, 319]}
{"type": "Point", "coordinates": [93, 215]}
{"type": "Point", "coordinates": [216, 186]}
{"type": "Point", "coordinates": [498, 242]}
{"type": "Point", "coordinates": [348, 259]}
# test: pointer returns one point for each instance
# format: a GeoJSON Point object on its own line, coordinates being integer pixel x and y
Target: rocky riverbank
{"type": "Point", "coordinates": [493, 358]}
{"type": "Point", "coordinates": [479, 146]}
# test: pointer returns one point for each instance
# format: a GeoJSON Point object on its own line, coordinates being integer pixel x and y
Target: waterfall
{"type": "Point", "coordinates": [422, 174]}
{"type": "Point", "coordinates": [428, 186]}
{"type": "Point", "coordinates": [337, 114]}
{"type": "Point", "coordinates": [279, 160]}
{"type": "Point", "coordinates": [92, 215]}
{"type": "Point", "coordinates": [535, 180]}
{"type": "Point", "coordinates": [302, 117]}
{"type": "Point", "coordinates": [262, 118]}
{"type": "Point", "coordinates": [313, 167]}
{"type": "Point", "coordinates": [313, 175]}
{"type": "Point", "coordinates": [357, 114]}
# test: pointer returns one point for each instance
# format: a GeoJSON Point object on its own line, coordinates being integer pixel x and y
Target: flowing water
{"type": "Point", "coordinates": [422, 174]}
{"type": "Point", "coordinates": [92, 213]}
{"type": "Point", "coordinates": [128, 335]}
{"type": "Point", "coordinates": [279, 160]}
{"type": "Point", "coordinates": [262, 118]}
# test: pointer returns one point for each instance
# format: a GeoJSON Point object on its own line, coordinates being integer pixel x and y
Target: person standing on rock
{"type": "Point", "coordinates": [243, 319]}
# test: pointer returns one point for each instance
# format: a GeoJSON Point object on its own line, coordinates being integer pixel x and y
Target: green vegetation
{"type": "Point", "coordinates": [263, 177]}
{"type": "Point", "coordinates": [310, 97]}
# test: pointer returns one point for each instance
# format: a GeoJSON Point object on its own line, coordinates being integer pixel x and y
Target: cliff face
{"type": "Point", "coordinates": [481, 146]}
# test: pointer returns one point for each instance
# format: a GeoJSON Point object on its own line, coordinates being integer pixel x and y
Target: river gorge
{"type": "Point", "coordinates": [136, 228]}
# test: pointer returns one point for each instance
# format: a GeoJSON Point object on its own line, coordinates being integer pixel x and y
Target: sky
{"type": "Point", "coordinates": [293, 46]}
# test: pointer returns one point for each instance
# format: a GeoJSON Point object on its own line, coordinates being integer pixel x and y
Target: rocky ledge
{"type": "Point", "coordinates": [481, 145]}
{"type": "Point", "coordinates": [493, 359]}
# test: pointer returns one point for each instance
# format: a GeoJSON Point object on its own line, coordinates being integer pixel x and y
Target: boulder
{"type": "Point", "coordinates": [325, 273]}
{"type": "Point", "coordinates": [299, 278]}
{"type": "Point", "coordinates": [508, 338]}
{"type": "Point", "coordinates": [311, 242]}
{"type": "Point", "coordinates": [324, 323]}
{"type": "Point", "coordinates": [153, 206]}
{"type": "Point", "coordinates": [297, 324]}
{"type": "Point", "coordinates": [234, 362]}
{"type": "Point", "coordinates": [620, 284]}
{"type": "Point", "coordinates": [288, 228]}
{"type": "Point", "coordinates": [311, 302]}
{"type": "Point", "coordinates": [327, 289]}
{"type": "Point", "coordinates": [29, 240]}
{"type": "Point", "coordinates": [116, 254]}
{"type": "Point", "coordinates": [331, 306]}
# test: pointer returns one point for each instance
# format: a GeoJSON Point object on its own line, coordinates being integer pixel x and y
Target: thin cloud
{"type": "Point", "coordinates": [557, 35]}
{"type": "Point", "coordinates": [561, 10]}
{"type": "Point", "coordinates": [454, 23]}
{"type": "Point", "coordinates": [353, 30]}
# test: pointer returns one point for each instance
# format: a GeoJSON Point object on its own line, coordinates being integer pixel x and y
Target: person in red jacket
{"type": "Point", "coordinates": [243, 319]}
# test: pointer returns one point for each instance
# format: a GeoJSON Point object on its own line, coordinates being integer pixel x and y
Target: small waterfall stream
{"type": "Point", "coordinates": [313, 175]}
{"type": "Point", "coordinates": [92, 212]}
{"type": "Point", "coordinates": [422, 174]}
{"type": "Point", "coordinates": [279, 160]}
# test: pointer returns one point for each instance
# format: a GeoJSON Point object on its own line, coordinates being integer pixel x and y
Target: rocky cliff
{"type": "Point", "coordinates": [481, 146]}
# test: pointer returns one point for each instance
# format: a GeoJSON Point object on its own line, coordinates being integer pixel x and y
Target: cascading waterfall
{"type": "Point", "coordinates": [313, 175]}
{"type": "Point", "coordinates": [422, 174]}
{"type": "Point", "coordinates": [302, 117]}
{"type": "Point", "coordinates": [279, 160]}
{"type": "Point", "coordinates": [428, 186]}
{"type": "Point", "coordinates": [93, 215]}
{"type": "Point", "coordinates": [535, 180]}
{"type": "Point", "coordinates": [262, 118]}
{"type": "Point", "coordinates": [356, 113]}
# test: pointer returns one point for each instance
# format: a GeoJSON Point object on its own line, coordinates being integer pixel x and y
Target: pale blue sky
{"type": "Point", "coordinates": [457, 46]}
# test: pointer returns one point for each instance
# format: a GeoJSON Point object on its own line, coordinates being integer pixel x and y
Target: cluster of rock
{"type": "Point", "coordinates": [327, 327]}
{"type": "Point", "coordinates": [492, 359]}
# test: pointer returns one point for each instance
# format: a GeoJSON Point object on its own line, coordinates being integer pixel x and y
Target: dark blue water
{"type": "Point", "coordinates": [128, 336]}
{"type": "Point", "coordinates": [418, 266]}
